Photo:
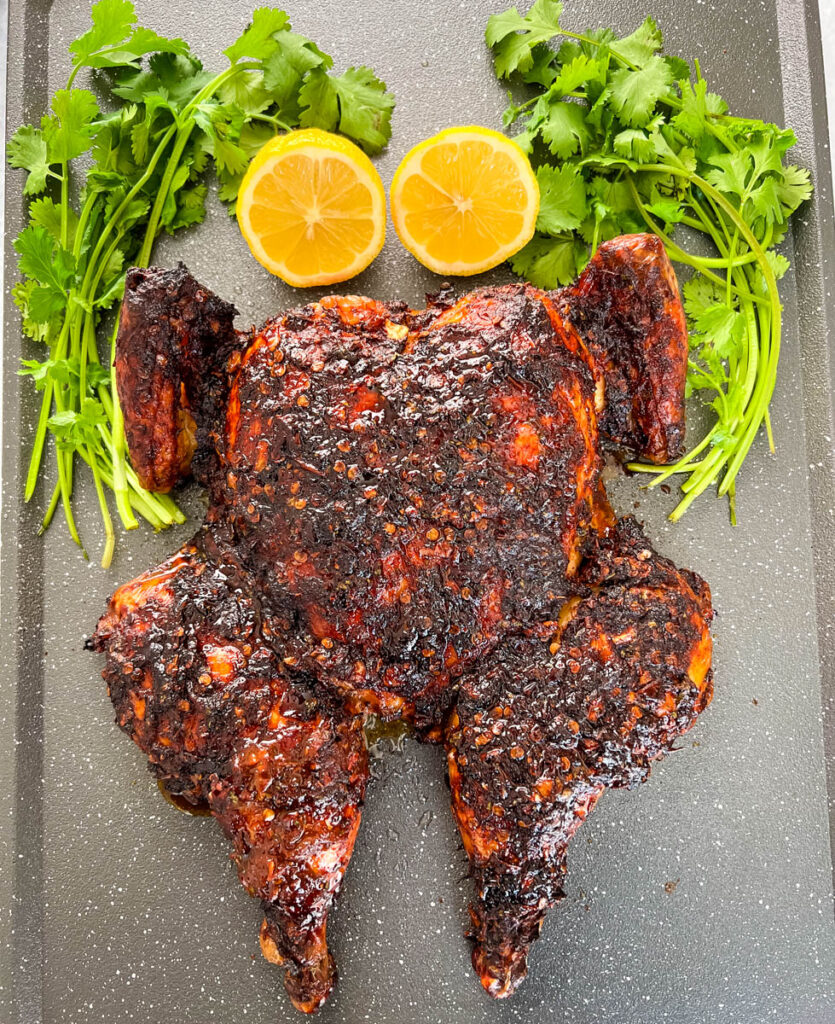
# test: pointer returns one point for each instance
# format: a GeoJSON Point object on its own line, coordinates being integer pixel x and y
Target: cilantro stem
{"type": "Point", "coordinates": [66, 495]}
{"type": "Point", "coordinates": [581, 38]}
{"type": "Point", "coordinates": [109, 536]}
{"type": "Point", "coordinates": [162, 194]}
{"type": "Point", "coordinates": [183, 133]}
{"type": "Point", "coordinates": [65, 203]}
{"type": "Point", "coordinates": [118, 446]}
{"type": "Point", "coordinates": [275, 121]}
{"type": "Point", "coordinates": [700, 263]}
{"type": "Point", "coordinates": [86, 210]}
{"type": "Point", "coordinates": [756, 400]}
{"type": "Point", "coordinates": [39, 442]}
{"type": "Point", "coordinates": [768, 432]}
{"type": "Point", "coordinates": [120, 210]}
{"type": "Point", "coordinates": [50, 511]}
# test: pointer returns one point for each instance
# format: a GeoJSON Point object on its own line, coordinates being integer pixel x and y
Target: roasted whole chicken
{"type": "Point", "coordinates": [406, 519]}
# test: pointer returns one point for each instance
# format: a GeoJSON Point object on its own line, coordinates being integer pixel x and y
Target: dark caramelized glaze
{"type": "Point", "coordinates": [436, 476]}
{"type": "Point", "coordinates": [557, 716]}
{"type": "Point", "coordinates": [406, 518]}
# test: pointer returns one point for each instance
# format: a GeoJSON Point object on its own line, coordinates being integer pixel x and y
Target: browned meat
{"type": "Point", "coordinates": [173, 343]}
{"type": "Point", "coordinates": [195, 680]}
{"type": "Point", "coordinates": [554, 717]}
{"type": "Point", "coordinates": [437, 479]}
{"type": "Point", "coordinates": [627, 309]}
{"type": "Point", "coordinates": [406, 517]}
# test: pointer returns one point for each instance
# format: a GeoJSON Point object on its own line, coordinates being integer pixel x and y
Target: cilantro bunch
{"type": "Point", "coordinates": [116, 178]}
{"type": "Point", "coordinates": [625, 138]}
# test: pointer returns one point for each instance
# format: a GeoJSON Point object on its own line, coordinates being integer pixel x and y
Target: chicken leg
{"type": "Point", "coordinates": [554, 718]}
{"type": "Point", "coordinates": [195, 680]}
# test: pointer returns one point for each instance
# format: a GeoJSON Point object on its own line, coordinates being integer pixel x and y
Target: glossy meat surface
{"type": "Point", "coordinates": [627, 309]}
{"type": "Point", "coordinates": [195, 680]}
{"type": "Point", "coordinates": [556, 716]}
{"type": "Point", "coordinates": [406, 517]}
{"type": "Point", "coordinates": [412, 484]}
{"type": "Point", "coordinates": [171, 350]}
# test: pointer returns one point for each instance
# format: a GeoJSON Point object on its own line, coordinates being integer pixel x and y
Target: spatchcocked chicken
{"type": "Point", "coordinates": [406, 519]}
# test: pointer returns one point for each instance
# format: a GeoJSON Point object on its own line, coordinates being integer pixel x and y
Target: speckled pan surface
{"type": "Point", "coordinates": [705, 896]}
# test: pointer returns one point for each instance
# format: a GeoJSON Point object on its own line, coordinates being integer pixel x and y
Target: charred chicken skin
{"type": "Point", "coordinates": [406, 518]}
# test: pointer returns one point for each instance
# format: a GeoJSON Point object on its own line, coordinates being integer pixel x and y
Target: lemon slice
{"type": "Point", "coordinates": [312, 208]}
{"type": "Point", "coordinates": [464, 200]}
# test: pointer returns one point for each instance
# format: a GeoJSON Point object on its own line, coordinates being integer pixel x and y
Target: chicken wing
{"type": "Point", "coordinates": [172, 348]}
{"type": "Point", "coordinates": [627, 309]}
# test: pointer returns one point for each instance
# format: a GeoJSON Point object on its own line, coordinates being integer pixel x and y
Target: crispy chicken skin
{"type": "Point", "coordinates": [437, 475]}
{"type": "Point", "coordinates": [556, 716]}
{"type": "Point", "coordinates": [193, 673]}
{"type": "Point", "coordinates": [173, 342]}
{"type": "Point", "coordinates": [406, 517]}
{"type": "Point", "coordinates": [627, 309]}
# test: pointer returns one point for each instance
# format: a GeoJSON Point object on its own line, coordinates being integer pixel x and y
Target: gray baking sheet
{"type": "Point", "coordinates": [704, 896]}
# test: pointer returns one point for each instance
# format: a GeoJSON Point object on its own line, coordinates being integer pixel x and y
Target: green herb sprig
{"type": "Point", "coordinates": [144, 172]}
{"type": "Point", "coordinates": [625, 138]}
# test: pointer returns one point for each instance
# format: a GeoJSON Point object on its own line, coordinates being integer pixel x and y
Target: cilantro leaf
{"type": "Point", "coordinates": [70, 132]}
{"type": "Point", "coordinates": [635, 93]}
{"type": "Point", "coordinates": [40, 372]}
{"type": "Point", "coordinates": [580, 70]}
{"type": "Point", "coordinates": [724, 327]}
{"type": "Point", "coordinates": [549, 262]}
{"type": "Point", "coordinates": [563, 127]}
{"type": "Point", "coordinates": [32, 328]}
{"type": "Point", "coordinates": [246, 91]}
{"type": "Point", "coordinates": [286, 67]}
{"type": "Point", "coordinates": [680, 68]}
{"type": "Point", "coordinates": [45, 303]}
{"type": "Point", "coordinates": [355, 103]}
{"type": "Point", "coordinates": [319, 101]}
{"type": "Point", "coordinates": [46, 213]}
{"type": "Point", "coordinates": [27, 150]}
{"type": "Point", "coordinates": [635, 145]}
{"type": "Point", "coordinates": [697, 105]}
{"type": "Point", "coordinates": [190, 208]}
{"type": "Point", "coordinates": [253, 136]}
{"type": "Point", "coordinates": [667, 210]}
{"type": "Point", "coordinates": [730, 172]}
{"type": "Point", "coordinates": [613, 210]}
{"type": "Point", "coordinates": [142, 42]}
{"type": "Point", "coordinates": [513, 37]}
{"type": "Point", "coordinates": [699, 294]}
{"type": "Point", "coordinates": [764, 203]}
{"type": "Point", "coordinates": [793, 188]}
{"type": "Point", "coordinates": [541, 70]}
{"type": "Point", "coordinates": [112, 24]}
{"type": "Point", "coordinates": [75, 428]}
{"type": "Point", "coordinates": [43, 259]}
{"type": "Point", "coordinates": [639, 47]}
{"type": "Point", "coordinates": [222, 125]}
{"type": "Point", "coordinates": [256, 40]}
{"type": "Point", "coordinates": [175, 79]}
{"type": "Point", "coordinates": [562, 205]}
